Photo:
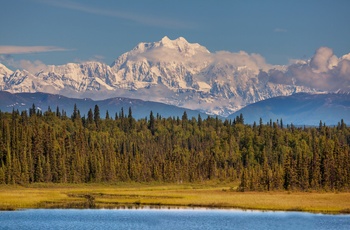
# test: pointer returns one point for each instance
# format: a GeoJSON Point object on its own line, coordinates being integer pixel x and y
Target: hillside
{"type": "Point", "coordinates": [140, 109]}
{"type": "Point", "coordinates": [300, 109]}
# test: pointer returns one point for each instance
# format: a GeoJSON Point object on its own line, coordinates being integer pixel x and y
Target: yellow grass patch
{"type": "Point", "coordinates": [162, 195]}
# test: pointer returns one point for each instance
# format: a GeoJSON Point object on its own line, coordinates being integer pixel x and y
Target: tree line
{"type": "Point", "coordinates": [51, 147]}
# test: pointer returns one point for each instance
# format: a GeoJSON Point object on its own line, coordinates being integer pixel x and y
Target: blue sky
{"type": "Point", "coordinates": [62, 31]}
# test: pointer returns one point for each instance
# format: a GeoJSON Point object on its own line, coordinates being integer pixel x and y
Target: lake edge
{"type": "Point", "coordinates": [99, 196]}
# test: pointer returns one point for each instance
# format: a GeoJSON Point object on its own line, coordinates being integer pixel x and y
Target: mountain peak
{"type": "Point", "coordinates": [176, 49]}
{"type": "Point", "coordinates": [181, 45]}
{"type": "Point", "coordinates": [165, 40]}
{"type": "Point", "coordinates": [4, 70]}
{"type": "Point", "coordinates": [180, 40]}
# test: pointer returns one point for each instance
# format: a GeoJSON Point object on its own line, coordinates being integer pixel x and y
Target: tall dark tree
{"type": "Point", "coordinates": [152, 125]}
{"type": "Point", "coordinates": [97, 118]}
{"type": "Point", "coordinates": [76, 113]}
{"type": "Point", "coordinates": [32, 110]}
{"type": "Point", "coordinates": [131, 120]}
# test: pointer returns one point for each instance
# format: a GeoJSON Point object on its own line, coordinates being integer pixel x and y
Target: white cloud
{"type": "Point", "coordinates": [253, 61]}
{"type": "Point", "coordinates": [31, 66]}
{"type": "Point", "coordinates": [324, 71]}
{"type": "Point", "coordinates": [29, 49]}
{"type": "Point", "coordinates": [323, 60]}
{"type": "Point", "coordinates": [95, 58]}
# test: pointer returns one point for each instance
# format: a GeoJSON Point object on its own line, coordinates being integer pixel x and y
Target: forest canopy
{"type": "Point", "coordinates": [52, 147]}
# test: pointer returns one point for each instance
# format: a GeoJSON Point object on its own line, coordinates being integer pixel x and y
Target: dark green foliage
{"type": "Point", "coordinates": [49, 147]}
{"type": "Point", "coordinates": [97, 118]}
{"type": "Point", "coordinates": [151, 125]}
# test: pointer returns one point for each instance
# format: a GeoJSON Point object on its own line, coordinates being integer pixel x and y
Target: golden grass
{"type": "Point", "coordinates": [161, 195]}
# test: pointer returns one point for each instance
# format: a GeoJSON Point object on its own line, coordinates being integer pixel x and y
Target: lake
{"type": "Point", "coordinates": [168, 219]}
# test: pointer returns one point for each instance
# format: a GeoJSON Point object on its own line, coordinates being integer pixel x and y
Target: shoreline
{"type": "Point", "coordinates": [167, 196]}
{"type": "Point", "coordinates": [182, 208]}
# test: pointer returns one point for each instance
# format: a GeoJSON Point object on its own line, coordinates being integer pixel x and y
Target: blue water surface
{"type": "Point", "coordinates": [168, 219]}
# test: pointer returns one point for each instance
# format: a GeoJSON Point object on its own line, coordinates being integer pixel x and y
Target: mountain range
{"type": "Point", "coordinates": [299, 109]}
{"type": "Point", "coordinates": [44, 101]}
{"type": "Point", "coordinates": [173, 72]}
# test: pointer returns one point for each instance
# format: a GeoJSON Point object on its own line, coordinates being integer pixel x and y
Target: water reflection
{"type": "Point", "coordinates": [133, 217]}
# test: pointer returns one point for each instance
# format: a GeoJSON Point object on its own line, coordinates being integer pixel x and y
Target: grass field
{"type": "Point", "coordinates": [126, 195]}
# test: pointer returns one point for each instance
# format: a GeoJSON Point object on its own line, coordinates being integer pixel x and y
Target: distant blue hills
{"type": "Point", "coordinates": [299, 109]}
{"type": "Point", "coordinates": [42, 101]}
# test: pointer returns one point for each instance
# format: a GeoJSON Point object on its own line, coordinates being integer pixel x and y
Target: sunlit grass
{"type": "Point", "coordinates": [161, 195]}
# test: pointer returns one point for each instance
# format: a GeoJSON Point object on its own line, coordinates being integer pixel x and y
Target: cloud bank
{"type": "Point", "coordinates": [29, 49]}
{"type": "Point", "coordinates": [324, 71]}
{"type": "Point", "coordinates": [253, 61]}
{"type": "Point", "coordinates": [31, 66]}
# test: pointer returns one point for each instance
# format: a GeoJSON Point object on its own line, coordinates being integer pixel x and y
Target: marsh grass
{"type": "Point", "coordinates": [137, 195]}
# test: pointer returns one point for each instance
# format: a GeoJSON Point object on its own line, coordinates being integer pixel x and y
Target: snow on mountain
{"type": "Point", "coordinates": [170, 62]}
{"type": "Point", "coordinates": [88, 76]}
{"type": "Point", "coordinates": [4, 72]}
{"type": "Point", "coordinates": [174, 72]}
{"type": "Point", "coordinates": [23, 81]}
{"type": "Point", "coordinates": [194, 78]}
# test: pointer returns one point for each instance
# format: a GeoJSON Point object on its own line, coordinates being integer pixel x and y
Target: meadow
{"type": "Point", "coordinates": [160, 195]}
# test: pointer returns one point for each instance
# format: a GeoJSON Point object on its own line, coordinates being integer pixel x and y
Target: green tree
{"type": "Point", "coordinates": [97, 118]}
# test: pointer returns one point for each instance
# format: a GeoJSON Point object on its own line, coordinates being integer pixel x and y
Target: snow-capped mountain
{"type": "Point", "coordinates": [88, 76]}
{"type": "Point", "coordinates": [174, 72]}
{"type": "Point", "coordinates": [4, 72]}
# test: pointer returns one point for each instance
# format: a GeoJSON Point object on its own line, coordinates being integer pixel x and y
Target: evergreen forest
{"type": "Point", "coordinates": [52, 147]}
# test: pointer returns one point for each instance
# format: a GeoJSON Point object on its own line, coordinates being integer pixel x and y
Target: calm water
{"type": "Point", "coordinates": [169, 219]}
